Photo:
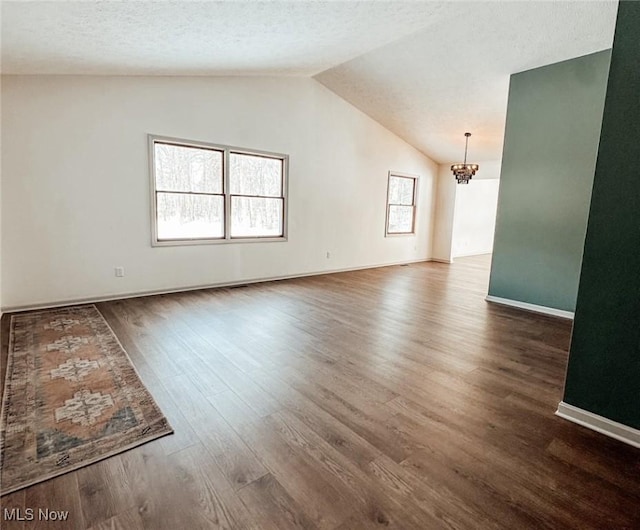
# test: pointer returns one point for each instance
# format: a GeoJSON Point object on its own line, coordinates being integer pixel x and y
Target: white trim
{"type": "Point", "coordinates": [531, 307]}
{"type": "Point", "coordinates": [603, 425]}
{"type": "Point", "coordinates": [441, 260]}
{"type": "Point", "coordinates": [122, 296]}
{"type": "Point", "coordinates": [227, 151]}
{"type": "Point", "coordinates": [414, 204]}
{"type": "Point", "coordinates": [478, 253]}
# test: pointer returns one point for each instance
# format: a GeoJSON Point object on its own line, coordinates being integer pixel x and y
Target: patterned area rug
{"type": "Point", "coordinates": [71, 397]}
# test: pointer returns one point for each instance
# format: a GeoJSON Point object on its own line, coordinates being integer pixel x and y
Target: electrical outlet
{"type": "Point", "coordinates": [119, 272]}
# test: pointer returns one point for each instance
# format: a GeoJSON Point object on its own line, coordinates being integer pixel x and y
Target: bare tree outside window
{"type": "Point", "coordinates": [401, 204]}
{"type": "Point", "coordinates": [189, 198]}
{"type": "Point", "coordinates": [257, 199]}
{"type": "Point", "coordinates": [207, 193]}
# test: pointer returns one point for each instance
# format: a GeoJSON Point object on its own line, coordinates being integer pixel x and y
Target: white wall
{"type": "Point", "coordinates": [465, 216]}
{"type": "Point", "coordinates": [444, 214]}
{"type": "Point", "coordinates": [474, 219]}
{"type": "Point", "coordinates": [75, 199]}
{"type": "Point", "coordinates": [1, 306]}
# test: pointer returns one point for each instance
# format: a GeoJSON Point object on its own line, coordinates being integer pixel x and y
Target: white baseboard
{"type": "Point", "coordinates": [531, 307]}
{"type": "Point", "coordinates": [136, 294]}
{"type": "Point", "coordinates": [469, 254]}
{"type": "Point", "coordinates": [441, 260]}
{"type": "Point", "coordinates": [603, 425]}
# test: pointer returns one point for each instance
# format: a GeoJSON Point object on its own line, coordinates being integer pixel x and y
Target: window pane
{"type": "Point", "coordinates": [401, 190]}
{"type": "Point", "coordinates": [191, 169]}
{"type": "Point", "coordinates": [182, 216]}
{"type": "Point", "coordinates": [254, 217]}
{"type": "Point", "coordinates": [255, 175]}
{"type": "Point", "coordinates": [400, 219]}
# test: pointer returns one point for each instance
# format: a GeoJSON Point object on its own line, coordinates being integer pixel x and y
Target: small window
{"type": "Point", "coordinates": [401, 204]}
{"type": "Point", "coordinates": [208, 193]}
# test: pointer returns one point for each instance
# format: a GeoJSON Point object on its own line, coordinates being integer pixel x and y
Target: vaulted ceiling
{"type": "Point", "coordinates": [426, 70]}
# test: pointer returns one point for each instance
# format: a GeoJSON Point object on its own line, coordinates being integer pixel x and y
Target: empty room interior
{"type": "Point", "coordinates": [320, 264]}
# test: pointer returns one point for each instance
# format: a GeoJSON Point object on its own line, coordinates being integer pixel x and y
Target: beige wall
{"type": "Point", "coordinates": [75, 199]}
{"type": "Point", "coordinates": [444, 211]}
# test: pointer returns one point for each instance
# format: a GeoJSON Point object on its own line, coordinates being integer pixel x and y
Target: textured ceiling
{"type": "Point", "coordinates": [433, 86]}
{"type": "Point", "coordinates": [199, 38]}
{"type": "Point", "coordinates": [426, 70]}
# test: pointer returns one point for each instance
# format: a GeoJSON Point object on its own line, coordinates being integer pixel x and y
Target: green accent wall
{"type": "Point", "coordinates": [604, 363]}
{"type": "Point", "coordinates": [554, 115]}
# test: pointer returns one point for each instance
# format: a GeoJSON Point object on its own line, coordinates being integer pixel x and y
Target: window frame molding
{"type": "Point", "coordinates": [414, 205]}
{"type": "Point", "coordinates": [152, 139]}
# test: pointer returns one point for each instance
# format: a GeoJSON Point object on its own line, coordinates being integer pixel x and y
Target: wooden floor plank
{"type": "Point", "coordinates": [272, 507]}
{"type": "Point", "coordinates": [57, 504]}
{"type": "Point", "coordinates": [129, 520]}
{"type": "Point", "coordinates": [394, 397]}
{"type": "Point", "coordinates": [324, 503]}
{"type": "Point", "coordinates": [238, 463]}
{"type": "Point", "coordinates": [13, 511]}
{"type": "Point", "coordinates": [103, 490]}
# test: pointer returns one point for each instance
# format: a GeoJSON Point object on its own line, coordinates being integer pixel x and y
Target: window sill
{"type": "Point", "coordinates": [191, 242]}
{"type": "Point", "coordinates": [408, 234]}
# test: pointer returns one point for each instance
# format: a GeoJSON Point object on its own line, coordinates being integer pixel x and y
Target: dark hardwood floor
{"type": "Point", "coordinates": [393, 397]}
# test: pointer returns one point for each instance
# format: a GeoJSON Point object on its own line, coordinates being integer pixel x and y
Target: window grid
{"type": "Point", "coordinates": [280, 198]}
{"type": "Point", "coordinates": [389, 231]}
{"type": "Point", "coordinates": [225, 195]}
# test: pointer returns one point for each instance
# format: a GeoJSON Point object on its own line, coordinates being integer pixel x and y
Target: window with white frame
{"type": "Point", "coordinates": [209, 193]}
{"type": "Point", "coordinates": [401, 204]}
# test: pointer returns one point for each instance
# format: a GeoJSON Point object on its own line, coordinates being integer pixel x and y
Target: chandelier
{"type": "Point", "coordinates": [463, 172]}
